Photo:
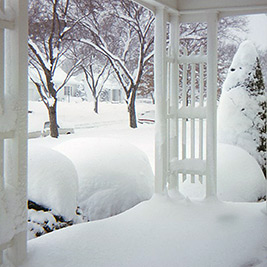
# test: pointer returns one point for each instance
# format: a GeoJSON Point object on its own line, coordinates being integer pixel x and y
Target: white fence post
{"type": "Point", "coordinates": [211, 183]}
{"type": "Point", "coordinates": [161, 101]}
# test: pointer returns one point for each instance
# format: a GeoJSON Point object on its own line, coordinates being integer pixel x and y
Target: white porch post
{"type": "Point", "coordinates": [174, 42]}
{"type": "Point", "coordinates": [16, 83]}
{"type": "Point", "coordinates": [212, 19]}
{"type": "Point", "coordinates": [161, 101]}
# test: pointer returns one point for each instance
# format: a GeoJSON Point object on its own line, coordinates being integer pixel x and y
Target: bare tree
{"type": "Point", "coordinates": [96, 76]}
{"type": "Point", "coordinates": [123, 33]}
{"type": "Point", "coordinates": [49, 31]}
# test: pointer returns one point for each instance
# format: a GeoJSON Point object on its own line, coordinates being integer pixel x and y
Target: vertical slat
{"type": "Point", "coordinates": [184, 104]}
{"type": "Point", "coordinates": [193, 125]}
{"type": "Point", "coordinates": [201, 80]}
{"type": "Point", "coordinates": [161, 109]}
{"type": "Point", "coordinates": [201, 103]}
{"type": "Point", "coordinates": [168, 89]}
{"type": "Point", "coordinates": [211, 181]}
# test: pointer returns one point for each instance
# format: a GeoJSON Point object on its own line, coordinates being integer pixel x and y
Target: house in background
{"type": "Point", "coordinates": [112, 91]}
{"type": "Point", "coordinates": [69, 90]}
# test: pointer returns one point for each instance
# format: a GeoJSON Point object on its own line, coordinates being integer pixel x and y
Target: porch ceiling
{"type": "Point", "coordinates": [195, 10]}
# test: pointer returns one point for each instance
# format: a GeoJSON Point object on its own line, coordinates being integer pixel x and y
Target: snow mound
{"type": "Point", "coordinates": [239, 175]}
{"type": "Point", "coordinates": [113, 175]}
{"type": "Point", "coordinates": [52, 181]}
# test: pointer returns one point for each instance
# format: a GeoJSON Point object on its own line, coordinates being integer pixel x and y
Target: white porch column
{"type": "Point", "coordinates": [212, 19]}
{"type": "Point", "coordinates": [174, 73]}
{"type": "Point", "coordinates": [16, 83]}
{"type": "Point", "coordinates": [161, 101]}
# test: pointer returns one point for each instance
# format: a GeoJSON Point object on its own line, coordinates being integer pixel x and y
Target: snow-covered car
{"type": "Point", "coordinates": [61, 130]}
{"type": "Point", "coordinates": [147, 117]}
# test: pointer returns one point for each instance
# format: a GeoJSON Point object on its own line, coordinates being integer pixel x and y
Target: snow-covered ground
{"type": "Point", "coordinates": [159, 232]}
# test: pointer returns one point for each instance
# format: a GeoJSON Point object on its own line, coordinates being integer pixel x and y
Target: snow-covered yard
{"type": "Point", "coordinates": [163, 231]}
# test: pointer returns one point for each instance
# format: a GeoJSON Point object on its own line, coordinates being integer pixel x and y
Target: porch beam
{"type": "Point", "coordinates": [211, 183]}
{"type": "Point", "coordinates": [161, 101]}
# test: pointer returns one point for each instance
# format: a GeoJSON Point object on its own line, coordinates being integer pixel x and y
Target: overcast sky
{"type": "Point", "coordinates": [258, 30]}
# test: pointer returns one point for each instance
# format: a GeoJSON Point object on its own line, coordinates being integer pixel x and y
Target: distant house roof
{"type": "Point", "coordinates": [58, 79]}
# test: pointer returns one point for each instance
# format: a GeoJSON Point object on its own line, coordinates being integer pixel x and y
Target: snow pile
{"type": "Point", "coordinates": [113, 175]}
{"type": "Point", "coordinates": [52, 181]}
{"type": "Point", "coordinates": [242, 108]}
{"type": "Point", "coordinates": [239, 176]}
{"type": "Point", "coordinates": [161, 232]}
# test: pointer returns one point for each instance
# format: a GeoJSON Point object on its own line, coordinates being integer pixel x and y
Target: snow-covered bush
{"type": "Point", "coordinates": [113, 176]}
{"type": "Point", "coordinates": [239, 175]}
{"type": "Point", "coordinates": [242, 108]}
{"type": "Point", "coordinates": [52, 191]}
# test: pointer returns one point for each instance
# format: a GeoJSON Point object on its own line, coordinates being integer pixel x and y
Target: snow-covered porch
{"type": "Point", "coordinates": [169, 164]}
{"type": "Point", "coordinates": [174, 158]}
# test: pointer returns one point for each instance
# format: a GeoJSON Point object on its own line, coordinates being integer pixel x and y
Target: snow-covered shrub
{"type": "Point", "coordinates": [52, 191]}
{"type": "Point", "coordinates": [113, 175]}
{"type": "Point", "coordinates": [242, 108]}
{"type": "Point", "coordinates": [239, 175]}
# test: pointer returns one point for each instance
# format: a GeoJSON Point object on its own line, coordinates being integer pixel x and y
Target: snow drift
{"type": "Point", "coordinates": [113, 175]}
{"type": "Point", "coordinates": [240, 178]}
{"type": "Point", "coordinates": [52, 181]}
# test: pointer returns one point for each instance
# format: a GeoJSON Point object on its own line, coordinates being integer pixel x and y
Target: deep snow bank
{"type": "Point", "coordinates": [239, 175]}
{"type": "Point", "coordinates": [113, 175]}
{"type": "Point", "coordinates": [52, 181]}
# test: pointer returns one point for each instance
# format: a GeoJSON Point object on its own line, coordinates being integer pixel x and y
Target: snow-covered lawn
{"type": "Point", "coordinates": [161, 231]}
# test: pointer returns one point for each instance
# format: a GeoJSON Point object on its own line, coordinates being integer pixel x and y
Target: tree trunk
{"type": "Point", "coordinates": [153, 98]}
{"type": "Point", "coordinates": [53, 121]}
{"type": "Point", "coordinates": [131, 110]}
{"type": "Point", "coordinates": [96, 105]}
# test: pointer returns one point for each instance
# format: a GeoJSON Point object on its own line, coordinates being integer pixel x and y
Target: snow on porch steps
{"type": "Point", "coordinates": [161, 232]}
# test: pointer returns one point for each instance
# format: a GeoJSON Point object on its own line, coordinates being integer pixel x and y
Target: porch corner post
{"type": "Point", "coordinates": [211, 182]}
{"type": "Point", "coordinates": [174, 42]}
{"type": "Point", "coordinates": [161, 101]}
{"type": "Point", "coordinates": [17, 83]}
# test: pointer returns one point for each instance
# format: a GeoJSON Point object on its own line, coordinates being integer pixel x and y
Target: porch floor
{"type": "Point", "coordinates": [161, 232]}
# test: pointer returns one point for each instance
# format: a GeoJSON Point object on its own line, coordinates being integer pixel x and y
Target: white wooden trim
{"type": "Point", "coordinates": [15, 148]}
{"type": "Point", "coordinates": [211, 183]}
{"type": "Point", "coordinates": [174, 41]}
{"type": "Point", "coordinates": [161, 101]}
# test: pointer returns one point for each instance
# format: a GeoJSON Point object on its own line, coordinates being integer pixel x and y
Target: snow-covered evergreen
{"type": "Point", "coordinates": [242, 108]}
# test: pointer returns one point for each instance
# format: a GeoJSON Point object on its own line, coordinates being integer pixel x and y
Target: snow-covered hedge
{"type": "Point", "coordinates": [240, 178]}
{"type": "Point", "coordinates": [113, 175]}
{"type": "Point", "coordinates": [242, 107]}
{"type": "Point", "coordinates": [52, 190]}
